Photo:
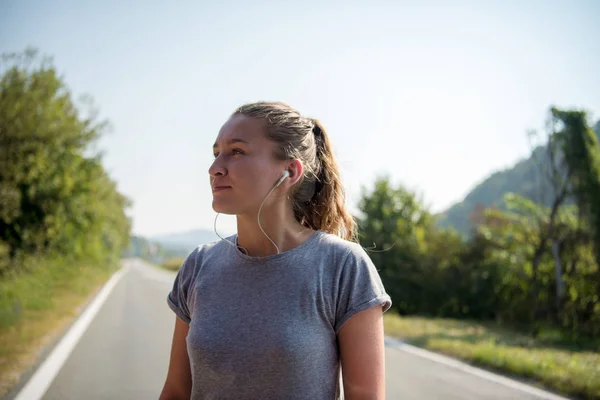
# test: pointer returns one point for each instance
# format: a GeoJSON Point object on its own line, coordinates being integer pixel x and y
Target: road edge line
{"type": "Point", "coordinates": [39, 383]}
{"type": "Point", "coordinates": [462, 366]}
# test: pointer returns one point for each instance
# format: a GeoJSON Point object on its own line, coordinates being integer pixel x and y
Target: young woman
{"type": "Point", "coordinates": [290, 307]}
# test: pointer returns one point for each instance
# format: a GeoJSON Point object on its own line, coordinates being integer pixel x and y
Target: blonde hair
{"type": "Point", "coordinates": [318, 197]}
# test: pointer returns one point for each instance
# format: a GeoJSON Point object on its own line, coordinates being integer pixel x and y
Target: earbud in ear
{"type": "Point", "coordinates": [286, 174]}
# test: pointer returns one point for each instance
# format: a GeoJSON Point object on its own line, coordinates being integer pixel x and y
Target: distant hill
{"type": "Point", "coordinates": [523, 178]}
{"type": "Point", "coordinates": [162, 247]}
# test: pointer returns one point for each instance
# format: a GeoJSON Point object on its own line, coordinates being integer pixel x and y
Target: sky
{"type": "Point", "coordinates": [435, 94]}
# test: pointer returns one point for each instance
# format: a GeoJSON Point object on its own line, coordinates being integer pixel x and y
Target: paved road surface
{"type": "Point", "coordinates": [124, 353]}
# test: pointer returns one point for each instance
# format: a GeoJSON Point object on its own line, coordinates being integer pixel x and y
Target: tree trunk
{"type": "Point", "coordinates": [560, 286]}
{"type": "Point", "coordinates": [535, 290]}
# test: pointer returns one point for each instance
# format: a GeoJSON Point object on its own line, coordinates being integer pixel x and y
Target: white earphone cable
{"type": "Point", "coordinates": [222, 238]}
{"type": "Point", "coordinates": [258, 218]}
{"type": "Point", "coordinates": [259, 225]}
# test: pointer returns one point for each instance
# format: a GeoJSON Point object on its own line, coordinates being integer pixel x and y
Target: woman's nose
{"type": "Point", "coordinates": [217, 168]}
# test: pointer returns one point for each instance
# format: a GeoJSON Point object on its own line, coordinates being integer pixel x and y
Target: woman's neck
{"type": "Point", "coordinates": [287, 233]}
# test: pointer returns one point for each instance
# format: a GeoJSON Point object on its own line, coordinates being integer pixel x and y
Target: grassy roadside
{"type": "Point", "coordinates": [37, 306]}
{"type": "Point", "coordinates": [549, 360]}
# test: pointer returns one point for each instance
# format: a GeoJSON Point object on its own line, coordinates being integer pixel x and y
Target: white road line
{"type": "Point", "coordinates": [45, 374]}
{"type": "Point", "coordinates": [394, 343]}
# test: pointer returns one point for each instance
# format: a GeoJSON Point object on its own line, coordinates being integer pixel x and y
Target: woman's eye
{"type": "Point", "coordinates": [234, 151]}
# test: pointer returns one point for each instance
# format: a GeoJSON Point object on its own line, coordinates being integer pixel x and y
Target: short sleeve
{"type": "Point", "coordinates": [177, 299]}
{"type": "Point", "coordinates": [360, 287]}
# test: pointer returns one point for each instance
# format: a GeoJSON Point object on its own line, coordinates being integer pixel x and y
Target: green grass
{"type": "Point", "coordinates": [37, 305]}
{"type": "Point", "coordinates": [569, 368]}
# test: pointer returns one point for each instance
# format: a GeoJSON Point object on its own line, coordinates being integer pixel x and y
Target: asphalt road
{"type": "Point", "coordinates": [124, 353]}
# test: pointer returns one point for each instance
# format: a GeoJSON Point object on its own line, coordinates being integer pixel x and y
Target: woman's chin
{"type": "Point", "coordinates": [221, 208]}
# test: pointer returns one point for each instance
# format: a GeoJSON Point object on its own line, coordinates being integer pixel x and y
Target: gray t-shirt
{"type": "Point", "coordinates": [266, 327]}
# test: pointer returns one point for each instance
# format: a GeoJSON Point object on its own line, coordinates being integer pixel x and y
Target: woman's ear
{"type": "Point", "coordinates": [296, 169]}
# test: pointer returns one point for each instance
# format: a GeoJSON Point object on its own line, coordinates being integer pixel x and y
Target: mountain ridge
{"type": "Point", "coordinates": [522, 178]}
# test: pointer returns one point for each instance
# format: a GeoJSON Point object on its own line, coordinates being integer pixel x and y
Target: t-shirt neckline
{"type": "Point", "coordinates": [273, 257]}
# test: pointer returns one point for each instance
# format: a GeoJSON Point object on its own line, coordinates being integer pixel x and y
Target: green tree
{"type": "Point", "coordinates": [582, 155]}
{"type": "Point", "coordinates": [393, 229]}
{"type": "Point", "coordinates": [518, 236]}
{"type": "Point", "coordinates": [426, 270]}
{"type": "Point", "coordinates": [513, 239]}
{"type": "Point", "coordinates": [55, 194]}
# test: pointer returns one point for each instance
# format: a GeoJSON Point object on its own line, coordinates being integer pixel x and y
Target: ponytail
{"type": "Point", "coordinates": [326, 209]}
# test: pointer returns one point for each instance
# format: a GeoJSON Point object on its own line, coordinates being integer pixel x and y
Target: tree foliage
{"type": "Point", "coordinates": [55, 195]}
{"type": "Point", "coordinates": [527, 263]}
{"type": "Point", "coordinates": [426, 270]}
{"type": "Point", "coordinates": [582, 154]}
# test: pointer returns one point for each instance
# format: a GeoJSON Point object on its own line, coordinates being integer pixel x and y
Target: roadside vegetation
{"type": "Point", "coordinates": [63, 223]}
{"type": "Point", "coordinates": [520, 292]}
{"type": "Point", "coordinates": [549, 360]}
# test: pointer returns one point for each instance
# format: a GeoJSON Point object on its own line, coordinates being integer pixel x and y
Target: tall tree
{"type": "Point", "coordinates": [582, 155]}
{"type": "Point", "coordinates": [554, 189]}
{"type": "Point", "coordinates": [393, 227]}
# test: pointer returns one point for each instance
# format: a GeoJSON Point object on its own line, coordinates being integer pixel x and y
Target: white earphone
{"type": "Point", "coordinates": [286, 174]}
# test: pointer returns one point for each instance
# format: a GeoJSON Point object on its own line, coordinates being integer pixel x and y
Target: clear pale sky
{"type": "Point", "coordinates": [436, 94]}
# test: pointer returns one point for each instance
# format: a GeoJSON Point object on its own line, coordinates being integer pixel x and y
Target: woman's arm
{"type": "Point", "coordinates": [362, 355]}
{"type": "Point", "coordinates": [178, 384]}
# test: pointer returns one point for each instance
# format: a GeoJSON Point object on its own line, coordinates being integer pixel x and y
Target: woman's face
{"type": "Point", "coordinates": [245, 168]}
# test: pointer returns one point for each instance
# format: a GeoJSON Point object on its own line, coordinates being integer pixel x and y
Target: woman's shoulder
{"type": "Point", "coordinates": [201, 253]}
{"type": "Point", "coordinates": [349, 250]}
